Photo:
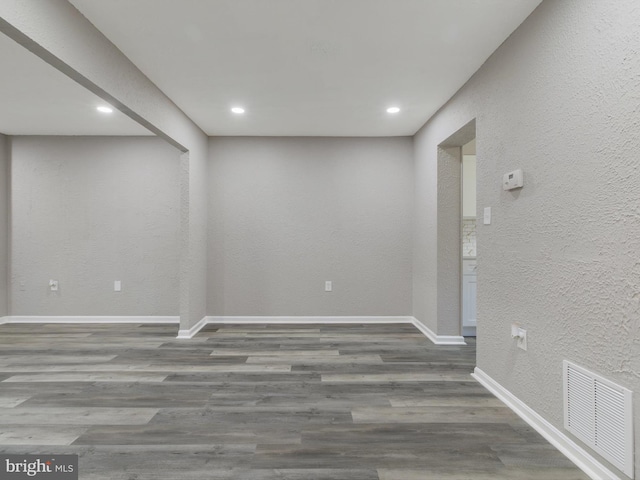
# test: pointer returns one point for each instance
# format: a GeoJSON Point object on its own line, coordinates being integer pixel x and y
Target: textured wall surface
{"type": "Point", "coordinates": [295, 212]}
{"type": "Point", "coordinates": [425, 230]}
{"type": "Point", "coordinates": [91, 210]}
{"type": "Point", "coordinates": [4, 225]}
{"type": "Point", "coordinates": [468, 185]}
{"type": "Point", "coordinates": [194, 238]}
{"type": "Point", "coordinates": [449, 236]}
{"type": "Point", "coordinates": [63, 37]}
{"type": "Point", "coordinates": [558, 99]}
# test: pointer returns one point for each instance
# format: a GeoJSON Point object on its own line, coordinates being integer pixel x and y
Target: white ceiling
{"type": "Point", "coordinates": [36, 99]}
{"type": "Point", "coordinates": [299, 67]}
{"type": "Point", "coordinates": [308, 67]}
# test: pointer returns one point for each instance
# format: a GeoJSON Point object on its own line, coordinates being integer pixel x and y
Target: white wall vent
{"type": "Point", "coordinates": [599, 412]}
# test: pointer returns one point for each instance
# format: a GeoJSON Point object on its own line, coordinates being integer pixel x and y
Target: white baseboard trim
{"type": "Point", "coordinates": [257, 320]}
{"type": "Point", "coordinates": [308, 320]}
{"type": "Point", "coordinates": [582, 459]}
{"type": "Point", "coordinates": [438, 339]}
{"type": "Point", "coordinates": [88, 319]}
{"type": "Point", "coordinates": [191, 332]}
{"type": "Point", "coordinates": [345, 320]}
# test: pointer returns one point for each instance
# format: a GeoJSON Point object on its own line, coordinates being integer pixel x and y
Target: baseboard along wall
{"type": "Point", "coordinates": [191, 332]}
{"type": "Point", "coordinates": [574, 452]}
{"type": "Point", "coordinates": [89, 319]}
{"type": "Point", "coordinates": [256, 320]}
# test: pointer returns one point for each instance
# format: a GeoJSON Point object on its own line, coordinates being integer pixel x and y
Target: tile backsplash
{"type": "Point", "coordinates": [469, 237]}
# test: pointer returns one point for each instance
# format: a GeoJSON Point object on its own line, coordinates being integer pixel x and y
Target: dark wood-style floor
{"type": "Point", "coordinates": [294, 402]}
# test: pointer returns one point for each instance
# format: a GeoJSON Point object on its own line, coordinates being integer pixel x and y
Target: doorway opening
{"type": "Point", "coordinates": [468, 240]}
{"type": "Point", "coordinates": [449, 233]}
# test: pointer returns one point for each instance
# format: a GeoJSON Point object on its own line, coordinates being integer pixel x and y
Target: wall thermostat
{"type": "Point", "coordinates": [512, 180]}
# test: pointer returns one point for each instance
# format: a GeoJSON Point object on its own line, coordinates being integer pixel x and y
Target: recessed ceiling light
{"type": "Point", "coordinates": [393, 110]}
{"type": "Point", "coordinates": [237, 110]}
{"type": "Point", "coordinates": [105, 109]}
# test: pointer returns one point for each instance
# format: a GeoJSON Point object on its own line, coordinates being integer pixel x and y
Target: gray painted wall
{"type": "Point", "coordinates": [63, 37]}
{"type": "Point", "coordinates": [559, 100]}
{"type": "Point", "coordinates": [289, 213]}
{"type": "Point", "coordinates": [4, 225]}
{"type": "Point", "coordinates": [91, 210]}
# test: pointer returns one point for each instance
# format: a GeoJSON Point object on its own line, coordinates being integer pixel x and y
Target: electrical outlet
{"type": "Point", "coordinates": [514, 330]}
{"type": "Point", "coordinates": [53, 285]}
{"type": "Point", "coordinates": [520, 334]}
{"type": "Point", "coordinates": [117, 286]}
{"type": "Point", "coordinates": [522, 338]}
{"type": "Point", "coordinates": [328, 286]}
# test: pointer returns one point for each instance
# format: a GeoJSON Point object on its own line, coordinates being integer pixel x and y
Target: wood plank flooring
{"type": "Point", "coordinates": [285, 402]}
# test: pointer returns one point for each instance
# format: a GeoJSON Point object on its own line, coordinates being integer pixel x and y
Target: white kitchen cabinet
{"type": "Point", "coordinates": [469, 289]}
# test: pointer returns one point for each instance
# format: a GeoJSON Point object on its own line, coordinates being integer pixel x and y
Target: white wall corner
{"type": "Point", "coordinates": [185, 334]}
{"type": "Point", "coordinates": [578, 455]}
{"type": "Point", "coordinates": [438, 339]}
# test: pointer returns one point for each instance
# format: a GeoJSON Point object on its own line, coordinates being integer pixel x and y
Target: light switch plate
{"type": "Point", "coordinates": [487, 215]}
{"type": "Point", "coordinates": [117, 286]}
